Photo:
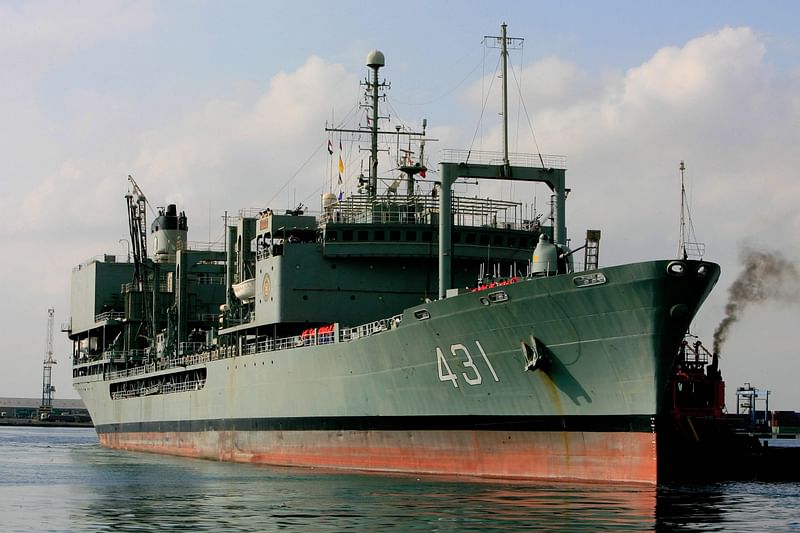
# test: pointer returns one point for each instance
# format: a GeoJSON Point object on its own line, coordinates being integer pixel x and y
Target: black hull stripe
{"type": "Point", "coordinates": [600, 423]}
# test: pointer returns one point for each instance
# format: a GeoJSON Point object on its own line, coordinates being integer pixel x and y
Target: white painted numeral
{"type": "Point", "coordinates": [491, 368]}
{"type": "Point", "coordinates": [442, 362]}
{"type": "Point", "coordinates": [467, 364]}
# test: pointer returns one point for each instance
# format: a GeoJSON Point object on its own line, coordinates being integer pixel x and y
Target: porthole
{"type": "Point", "coordinates": [422, 314]}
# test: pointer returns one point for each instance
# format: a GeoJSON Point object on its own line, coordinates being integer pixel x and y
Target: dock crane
{"type": "Point", "coordinates": [47, 384]}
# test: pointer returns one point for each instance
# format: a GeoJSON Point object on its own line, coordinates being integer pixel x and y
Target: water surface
{"type": "Point", "coordinates": [61, 480]}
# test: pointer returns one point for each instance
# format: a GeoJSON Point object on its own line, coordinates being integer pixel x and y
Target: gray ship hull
{"type": "Point", "coordinates": [548, 378]}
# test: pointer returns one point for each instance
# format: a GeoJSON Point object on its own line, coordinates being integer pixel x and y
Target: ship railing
{"type": "Point", "coordinates": [365, 330]}
{"type": "Point", "coordinates": [483, 157]}
{"type": "Point", "coordinates": [251, 212]}
{"type": "Point", "coordinates": [203, 246]}
{"type": "Point", "coordinates": [133, 371]}
{"type": "Point", "coordinates": [147, 287]}
{"type": "Point", "coordinates": [159, 388]}
{"type": "Point", "coordinates": [210, 279]}
{"type": "Point", "coordinates": [198, 353]}
{"type": "Point", "coordinates": [189, 348]}
{"type": "Point", "coordinates": [103, 258]}
{"type": "Point", "coordinates": [115, 356]}
{"type": "Point", "coordinates": [192, 359]}
{"type": "Point", "coordinates": [424, 209]}
{"type": "Point", "coordinates": [109, 315]}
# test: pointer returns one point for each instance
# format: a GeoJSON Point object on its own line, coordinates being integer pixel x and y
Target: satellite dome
{"type": "Point", "coordinates": [375, 59]}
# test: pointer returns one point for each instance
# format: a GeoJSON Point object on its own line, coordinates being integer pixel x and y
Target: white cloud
{"type": "Point", "coordinates": [714, 102]}
{"type": "Point", "coordinates": [38, 35]}
{"type": "Point", "coordinates": [235, 152]}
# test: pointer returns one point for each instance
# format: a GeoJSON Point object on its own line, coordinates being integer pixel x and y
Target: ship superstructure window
{"type": "Point", "coordinates": [331, 235]}
{"type": "Point", "coordinates": [411, 236]}
{"type": "Point", "coordinates": [484, 240]}
{"type": "Point", "coordinates": [498, 240]}
{"type": "Point", "coordinates": [470, 238]}
{"type": "Point", "coordinates": [427, 236]}
{"type": "Point", "coordinates": [347, 235]}
{"type": "Point", "coordinates": [379, 235]}
{"type": "Point", "coordinates": [363, 235]}
{"type": "Point", "coordinates": [394, 235]}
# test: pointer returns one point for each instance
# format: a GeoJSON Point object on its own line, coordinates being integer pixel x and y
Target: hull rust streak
{"type": "Point", "coordinates": [612, 456]}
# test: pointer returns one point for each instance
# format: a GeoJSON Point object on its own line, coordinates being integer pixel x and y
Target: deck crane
{"type": "Point", "coordinates": [47, 384]}
{"type": "Point", "coordinates": [137, 223]}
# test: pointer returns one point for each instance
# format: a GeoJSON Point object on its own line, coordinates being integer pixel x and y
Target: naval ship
{"type": "Point", "coordinates": [393, 331]}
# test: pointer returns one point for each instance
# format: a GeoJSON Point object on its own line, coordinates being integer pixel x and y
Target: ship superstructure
{"type": "Point", "coordinates": [372, 336]}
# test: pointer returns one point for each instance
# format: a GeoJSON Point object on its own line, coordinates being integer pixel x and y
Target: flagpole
{"type": "Point", "coordinates": [330, 155]}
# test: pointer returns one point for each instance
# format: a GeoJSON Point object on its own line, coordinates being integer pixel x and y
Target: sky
{"type": "Point", "coordinates": [222, 105]}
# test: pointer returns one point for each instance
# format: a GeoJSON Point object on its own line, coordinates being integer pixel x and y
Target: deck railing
{"type": "Point", "coordinates": [199, 353]}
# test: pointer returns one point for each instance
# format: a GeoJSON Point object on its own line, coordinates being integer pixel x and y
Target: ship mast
{"type": "Point", "coordinates": [455, 166]}
{"type": "Point", "coordinates": [375, 61]}
{"type": "Point", "coordinates": [504, 56]}
{"type": "Point", "coordinates": [682, 239]}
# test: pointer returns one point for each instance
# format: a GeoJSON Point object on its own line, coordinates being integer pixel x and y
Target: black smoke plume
{"type": "Point", "coordinates": [765, 275]}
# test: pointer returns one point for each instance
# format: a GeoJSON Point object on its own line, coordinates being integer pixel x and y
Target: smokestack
{"type": "Point", "coordinates": [765, 276]}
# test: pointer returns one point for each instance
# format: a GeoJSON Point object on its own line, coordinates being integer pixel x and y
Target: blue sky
{"type": "Point", "coordinates": [216, 104]}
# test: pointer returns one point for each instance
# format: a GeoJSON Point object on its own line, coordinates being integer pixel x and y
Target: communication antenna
{"type": "Point", "coordinates": [47, 385]}
{"type": "Point", "coordinates": [688, 248]}
{"type": "Point", "coordinates": [504, 43]}
{"type": "Point", "coordinates": [682, 241]}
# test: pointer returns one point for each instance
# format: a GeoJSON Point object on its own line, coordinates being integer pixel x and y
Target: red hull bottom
{"type": "Point", "coordinates": [579, 456]}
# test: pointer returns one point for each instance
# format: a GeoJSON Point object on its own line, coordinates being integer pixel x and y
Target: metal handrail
{"type": "Point", "coordinates": [109, 315]}
{"type": "Point", "coordinates": [203, 354]}
{"type": "Point", "coordinates": [483, 157]}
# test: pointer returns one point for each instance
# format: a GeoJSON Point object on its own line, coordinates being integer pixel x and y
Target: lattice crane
{"type": "Point", "coordinates": [137, 222]}
{"type": "Point", "coordinates": [47, 385]}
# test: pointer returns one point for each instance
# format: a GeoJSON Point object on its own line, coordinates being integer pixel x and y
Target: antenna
{"type": "Point", "coordinates": [687, 242]}
{"type": "Point", "coordinates": [375, 60]}
{"type": "Point", "coordinates": [504, 42]}
{"type": "Point", "coordinates": [682, 240]}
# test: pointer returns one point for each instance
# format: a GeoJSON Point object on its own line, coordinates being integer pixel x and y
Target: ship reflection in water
{"type": "Point", "coordinates": [60, 480]}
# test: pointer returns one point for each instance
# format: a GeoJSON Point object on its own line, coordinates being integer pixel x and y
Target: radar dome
{"type": "Point", "coordinates": [375, 59]}
{"type": "Point", "coordinates": [328, 200]}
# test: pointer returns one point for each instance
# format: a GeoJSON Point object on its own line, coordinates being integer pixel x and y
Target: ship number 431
{"type": "Point", "coordinates": [471, 373]}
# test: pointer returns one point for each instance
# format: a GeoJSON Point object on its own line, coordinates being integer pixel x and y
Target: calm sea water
{"type": "Point", "coordinates": [61, 480]}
